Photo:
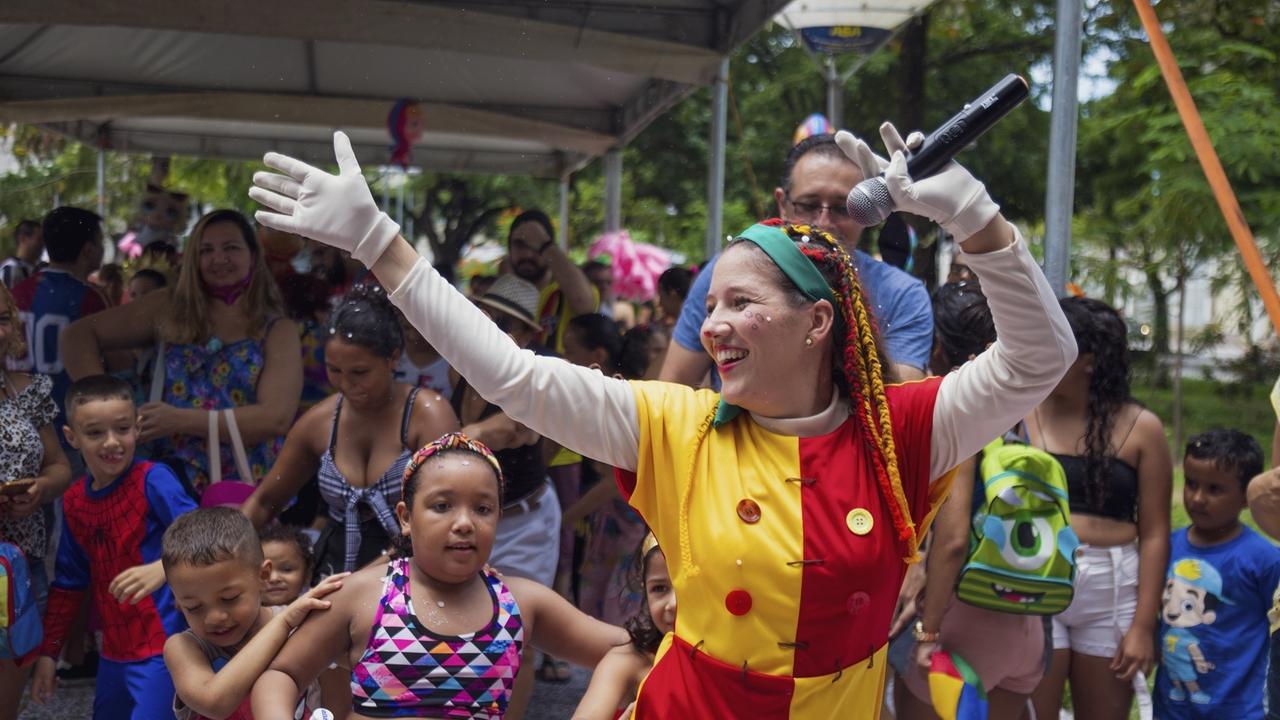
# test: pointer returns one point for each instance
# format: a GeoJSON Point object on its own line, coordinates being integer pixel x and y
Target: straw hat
{"type": "Point", "coordinates": [515, 297]}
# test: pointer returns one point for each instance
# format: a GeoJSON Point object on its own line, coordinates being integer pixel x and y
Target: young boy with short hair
{"type": "Point", "coordinates": [1222, 575]}
{"type": "Point", "coordinates": [216, 568]}
{"type": "Point", "coordinates": [114, 519]}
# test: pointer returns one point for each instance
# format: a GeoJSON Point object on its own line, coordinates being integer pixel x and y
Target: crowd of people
{"type": "Point", "coordinates": [254, 491]}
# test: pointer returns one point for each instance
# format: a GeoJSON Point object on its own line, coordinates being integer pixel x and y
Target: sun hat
{"type": "Point", "coordinates": [515, 297]}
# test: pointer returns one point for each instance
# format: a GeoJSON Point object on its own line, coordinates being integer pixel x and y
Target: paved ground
{"type": "Point", "coordinates": [551, 701]}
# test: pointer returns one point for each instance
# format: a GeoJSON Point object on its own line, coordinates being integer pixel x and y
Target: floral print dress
{"type": "Point", "coordinates": [215, 376]}
{"type": "Point", "coordinates": [22, 455]}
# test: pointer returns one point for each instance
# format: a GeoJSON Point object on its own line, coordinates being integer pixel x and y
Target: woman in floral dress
{"type": "Point", "coordinates": [226, 345]}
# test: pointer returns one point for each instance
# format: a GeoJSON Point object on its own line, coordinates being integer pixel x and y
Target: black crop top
{"type": "Point", "coordinates": [522, 467]}
{"type": "Point", "coordinates": [1119, 502]}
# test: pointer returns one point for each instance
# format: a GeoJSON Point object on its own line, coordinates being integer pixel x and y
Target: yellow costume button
{"type": "Point", "coordinates": [859, 521]}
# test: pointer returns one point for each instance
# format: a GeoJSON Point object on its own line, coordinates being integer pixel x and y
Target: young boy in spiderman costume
{"type": "Point", "coordinates": [115, 518]}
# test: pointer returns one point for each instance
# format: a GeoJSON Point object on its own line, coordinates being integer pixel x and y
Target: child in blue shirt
{"type": "Point", "coordinates": [1222, 574]}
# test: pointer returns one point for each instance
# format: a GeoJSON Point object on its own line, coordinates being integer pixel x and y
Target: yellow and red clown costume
{"type": "Point", "coordinates": [790, 570]}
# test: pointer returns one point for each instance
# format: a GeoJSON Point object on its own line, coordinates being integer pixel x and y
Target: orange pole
{"type": "Point", "coordinates": [1209, 162]}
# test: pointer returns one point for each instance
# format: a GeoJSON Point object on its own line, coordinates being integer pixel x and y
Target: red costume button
{"type": "Point", "coordinates": [857, 602]}
{"type": "Point", "coordinates": [749, 511]}
{"type": "Point", "coordinates": [738, 602]}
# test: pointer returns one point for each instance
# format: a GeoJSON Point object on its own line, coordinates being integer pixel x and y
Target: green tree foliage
{"type": "Point", "coordinates": [1144, 204]}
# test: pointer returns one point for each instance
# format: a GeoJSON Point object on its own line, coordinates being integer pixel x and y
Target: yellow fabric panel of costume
{"type": "Point", "coordinates": [743, 601]}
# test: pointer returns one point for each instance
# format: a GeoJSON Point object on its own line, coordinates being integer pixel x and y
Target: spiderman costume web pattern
{"type": "Point", "coordinates": [105, 533]}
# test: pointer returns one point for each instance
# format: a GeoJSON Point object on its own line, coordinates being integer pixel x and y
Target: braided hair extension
{"type": "Point", "coordinates": [1100, 331]}
{"type": "Point", "coordinates": [454, 442]}
{"type": "Point", "coordinates": [862, 365]}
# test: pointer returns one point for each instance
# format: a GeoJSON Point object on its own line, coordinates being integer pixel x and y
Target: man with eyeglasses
{"type": "Point", "coordinates": [816, 180]}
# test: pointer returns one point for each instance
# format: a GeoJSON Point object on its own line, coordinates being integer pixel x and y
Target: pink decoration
{"type": "Point", "coordinates": [636, 266]}
{"type": "Point", "coordinates": [129, 245]}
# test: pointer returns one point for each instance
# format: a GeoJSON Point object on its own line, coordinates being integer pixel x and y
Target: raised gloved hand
{"type": "Point", "coordinates": [337, 210]}
{"type": "Point", "coordinates": [951, 197]}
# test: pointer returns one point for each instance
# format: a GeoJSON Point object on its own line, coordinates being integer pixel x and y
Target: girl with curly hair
{"type": "Point", "coordinates": [1119, 476]}
{"type": "Point", "coordinates": [618, 676]}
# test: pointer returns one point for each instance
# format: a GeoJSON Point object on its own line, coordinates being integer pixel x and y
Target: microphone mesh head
{"type": "Point", "coordinates": [869, 202]}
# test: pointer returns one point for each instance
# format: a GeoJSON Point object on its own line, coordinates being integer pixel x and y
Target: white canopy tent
{"type": "Point", "coordinates": [535, 87]}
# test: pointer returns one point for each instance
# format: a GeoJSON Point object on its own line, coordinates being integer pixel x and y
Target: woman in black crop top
{"type": "Point", "coordinates": [1119, 475]}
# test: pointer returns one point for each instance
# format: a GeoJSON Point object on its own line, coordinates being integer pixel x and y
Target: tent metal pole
{"type": "Point", "coordinates": [613, 190]}
{"type": "Point", "coordinates": [835, 93]}
{"type": "Point", "coordinates": [1059, 195]}
{"type": "Point", "coordinates": [715, 164]}
{"type": "Point", "coordinates": [562, 232]}
{"type": "Point", "coordinates": [102, 182]}
{"type": "Point", "coordinates": [404, 180]}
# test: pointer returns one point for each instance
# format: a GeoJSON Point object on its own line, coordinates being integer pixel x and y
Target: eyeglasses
{"type": "Point", "coordinates": [808, 211]}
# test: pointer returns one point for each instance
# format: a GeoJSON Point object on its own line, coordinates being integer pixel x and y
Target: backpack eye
{"type": "Point", "coordinates": [1030, 542]}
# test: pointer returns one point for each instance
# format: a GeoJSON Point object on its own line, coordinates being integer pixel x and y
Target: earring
{"type": "Point", "coordinates": [808, 341]}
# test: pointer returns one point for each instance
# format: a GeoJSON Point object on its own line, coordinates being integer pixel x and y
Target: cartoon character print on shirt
{"type": "Point", "coordinates": [1192, 596]}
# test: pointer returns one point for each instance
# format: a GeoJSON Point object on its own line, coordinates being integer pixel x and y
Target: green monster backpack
{"type": "Point", "coordinates": [1022, 547]}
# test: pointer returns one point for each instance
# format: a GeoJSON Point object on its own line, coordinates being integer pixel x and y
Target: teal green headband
{"type": "Point", "coordinates": [782, 250]}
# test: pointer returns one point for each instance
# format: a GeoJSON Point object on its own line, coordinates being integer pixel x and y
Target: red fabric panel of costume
{"type": "Point", "coordinates": [847, 599]}
{"type": "Point", "coordinates": [689, 684]}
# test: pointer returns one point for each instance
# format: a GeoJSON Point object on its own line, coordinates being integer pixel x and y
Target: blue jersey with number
{"type": "Point", "coordinates": [48, 302]}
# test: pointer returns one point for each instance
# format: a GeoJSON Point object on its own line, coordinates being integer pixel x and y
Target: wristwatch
{"type": "Point", "coordinates": [924, 637]}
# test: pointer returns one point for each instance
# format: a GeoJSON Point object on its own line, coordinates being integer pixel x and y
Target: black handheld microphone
{"type": "Point", "coordinates": [869, 201]}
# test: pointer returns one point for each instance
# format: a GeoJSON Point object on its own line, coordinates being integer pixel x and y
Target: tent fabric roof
{"type": "Point", "coordinates": [524, 86]}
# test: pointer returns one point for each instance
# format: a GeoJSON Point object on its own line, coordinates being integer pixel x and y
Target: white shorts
{"type": "Point", "coordinates": [528, 541]}
{"type": "Point", "coordinates": [1106, 597]}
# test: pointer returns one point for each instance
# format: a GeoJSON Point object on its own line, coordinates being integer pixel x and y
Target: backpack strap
{"type": "Point", "coordinates": [157, 374]}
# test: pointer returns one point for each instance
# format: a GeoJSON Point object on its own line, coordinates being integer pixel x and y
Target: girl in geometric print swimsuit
{"type": "Point", "coordinates": [433, 633]}
{"type": "Point", "coordinates": [789, 504]}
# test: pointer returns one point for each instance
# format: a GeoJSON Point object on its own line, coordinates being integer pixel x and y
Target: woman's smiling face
{"type": "Point", "coordinates": [755, 333]}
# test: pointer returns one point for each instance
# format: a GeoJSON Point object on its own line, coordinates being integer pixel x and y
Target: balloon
{"type": "Point", "coordinates": [405, 124]}
{"type": "Point", "coordinates": [815, 124]}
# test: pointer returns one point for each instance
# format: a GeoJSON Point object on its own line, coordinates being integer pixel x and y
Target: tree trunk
{"type": "Point", "coordinates": [1177, 358]}
{"type": "Point", "coordinates": [1159, 326]}
{"type": "Point", "coordinates": [911, 70]}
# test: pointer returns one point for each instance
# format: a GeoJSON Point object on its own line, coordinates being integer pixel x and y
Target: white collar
{"type": "Point", "coordinates": [810, 426]}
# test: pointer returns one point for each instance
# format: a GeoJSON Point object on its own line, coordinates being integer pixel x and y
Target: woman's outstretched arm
{"type": "Point", "coordinates": [988, 395]}
{"type": "Point", "coordinates": [579, 408]}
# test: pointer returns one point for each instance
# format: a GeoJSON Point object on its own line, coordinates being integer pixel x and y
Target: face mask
{"type": "Point", "coordinates": [230, 293]}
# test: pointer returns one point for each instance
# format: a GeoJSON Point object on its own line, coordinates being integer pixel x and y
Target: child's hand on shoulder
{"type": "Point", "coordinates": [137, 582]}
{"type": "Point", "coordinates": [44, 679]}
{"type": "Point", "coordinates": [300, 608]}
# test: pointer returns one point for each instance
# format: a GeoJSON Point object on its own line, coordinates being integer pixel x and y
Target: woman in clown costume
{"type": "Point", "coordinates": [789, 504]}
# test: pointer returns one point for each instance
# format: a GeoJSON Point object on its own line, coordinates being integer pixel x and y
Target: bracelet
{"type": "Point", "coordinates": [918, 632]}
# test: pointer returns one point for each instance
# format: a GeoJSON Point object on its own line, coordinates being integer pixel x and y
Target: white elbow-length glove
{"type": "Point", "coordinates": [951, 197]}
{"type": "Point", "coordinates": [337, 210]}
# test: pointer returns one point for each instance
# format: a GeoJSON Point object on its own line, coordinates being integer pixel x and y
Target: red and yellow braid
{"type": "Point", "coordinates": [860, 364]}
